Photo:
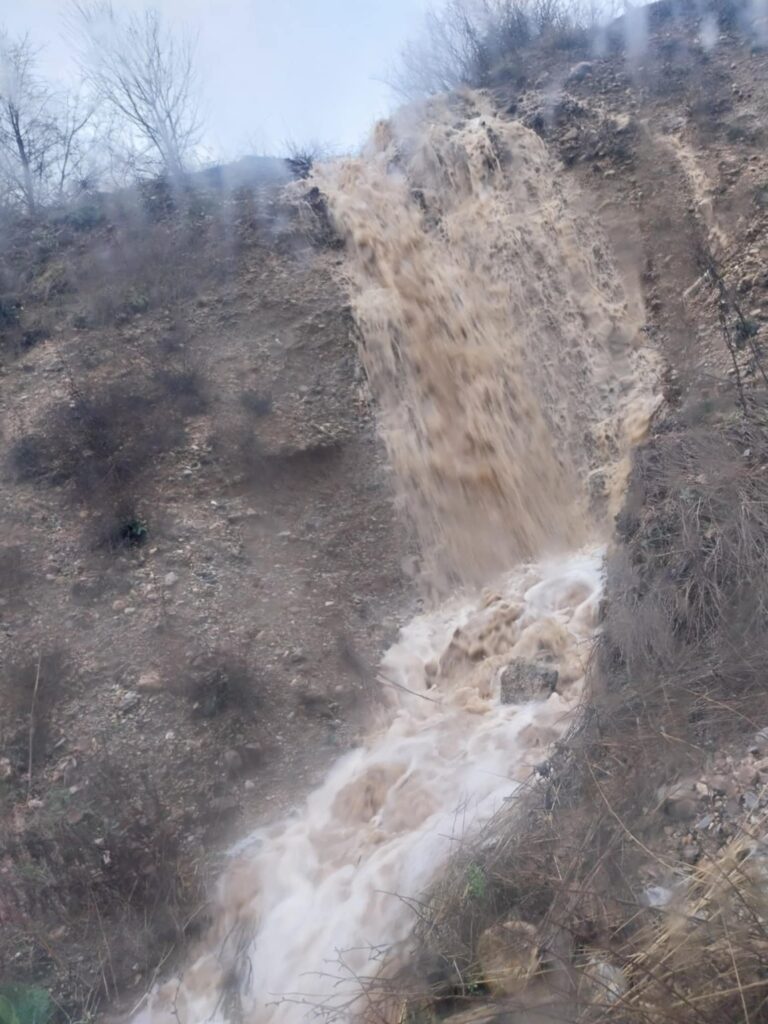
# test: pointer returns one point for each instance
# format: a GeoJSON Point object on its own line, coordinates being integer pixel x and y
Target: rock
{"type": "Point", "coordinates": [149, 681]}
{"type": "Point", "coordinates": [657, 895]}
{"type": "Point", "coordinates": [508, 955]}
{"type": "Point", "coordinates": [703, 823]}
{"type": "Point", "coordinates": [170, 579]}
{"type": "Point", "coordinates": [691, 853]}
{"type": "Point", "coordinates": [601, 983]}
{"type": "Point", "coordinates": [623, 123]}
{"type": "Point", "coordinates": [6, 768]}
{"type": "Point", "coordinates": [722, 785]}
{"type": "Point", "coordinates": [523, 681]}
{"type": "Point", "coordinates": [751, 800]}
{"type": "Point", "coordinates": [681, 809]}
{"type": "Point", "coordinates": [761, 741]}
{"type": "Point", "coordinates": [233, 762]}
{"type": "Point", "coordinates": [747, 775]}
{"type": "Point", "coordinates": [680, 802]}
{"type": "Point", "coordinates": [579, 72]}
{"type": "Point", "coordinates": [129, 702]}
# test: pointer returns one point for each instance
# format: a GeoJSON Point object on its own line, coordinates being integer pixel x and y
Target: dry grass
{"type": "Point", "coordinates": [97, 890]}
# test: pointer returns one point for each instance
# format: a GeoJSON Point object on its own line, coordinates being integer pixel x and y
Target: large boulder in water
{"type": "Point", "coordinates": [523, 681]}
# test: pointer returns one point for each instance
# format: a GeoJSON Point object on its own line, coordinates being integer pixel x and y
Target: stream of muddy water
{"type": "Point", "coordinates": [506, 362]}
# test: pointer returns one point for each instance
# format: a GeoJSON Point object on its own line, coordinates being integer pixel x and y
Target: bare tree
{"type": "Point", "coordinates": [43, 144]}
{"type": "Point", "coordinates": [28, 133]}
{"type": "Point", "coordinates": [146, 76]}
{"type": "Point", "coordinates": [74, 159]}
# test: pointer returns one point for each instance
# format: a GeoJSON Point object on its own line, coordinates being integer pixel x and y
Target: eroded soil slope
{"type": "Point", "coordinates": [199, 561]}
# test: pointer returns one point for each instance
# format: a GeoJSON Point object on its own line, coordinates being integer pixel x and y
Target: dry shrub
{"type": "Point", "coordinates": [107, 439]}
{"type": "Point", "coordinates": [469, 41]}
{"type": "Point", "coordinates": [143, 265]}
{"type": "Point", "coordinates": [14, 572]}
{"type": "Point", "coordinates": [97, 885]}
{"type": "Point", "coordinates": [30, 689]}
{"type": "Point", "coordinates": [220, 682]}
{"type": "Point", "coordinates": [704, 958]}
{"type": "Point", "coordinates": [101, 445]}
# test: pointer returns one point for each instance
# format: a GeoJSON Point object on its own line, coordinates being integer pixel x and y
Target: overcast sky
{"type": "Point", "coordinates": [272, 70]}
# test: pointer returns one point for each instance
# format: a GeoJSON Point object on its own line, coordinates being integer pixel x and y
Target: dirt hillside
{"type": "Point", "coordinates": [199, 557]}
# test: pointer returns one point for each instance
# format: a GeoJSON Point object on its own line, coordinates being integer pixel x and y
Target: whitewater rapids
{"type": "Point", "coordinates": [309, 904]}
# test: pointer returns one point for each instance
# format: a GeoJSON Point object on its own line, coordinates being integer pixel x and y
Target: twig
{"type": "Point", "coordinates": [399, 686]}
{"type": "Point", "coordinates": [32, 724]}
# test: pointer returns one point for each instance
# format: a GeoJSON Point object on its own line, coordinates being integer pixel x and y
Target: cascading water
{"type": "Point", "coordinates": [503, 355]}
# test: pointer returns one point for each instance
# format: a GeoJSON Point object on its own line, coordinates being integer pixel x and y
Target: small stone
{"type": "Point", "coordinates": [751, 800]}
{"type": "Point", "coordinates": [722, 785]}
{"type": "Point", "coordinates": [601, 983]}
{"type": "Point", "coordinates": [680, 804]}
{"type": "Point", "coordinates": [691, 853]}
{"type": "Point", "coordinates": [6, 768]}
{"type": "Point", "coordinates": [249, 784]}
{"type": "Point", "coordinates": [703, 823]}
{"type": "Point", "coordinates": [170, 579]}
{"type": "Point", "coordinates": [149, 681]}
{"type": "Point", "coordinates": [657, 895]}
{"type": "Point", "coordinates": [233, 762]}
{"type": "Point", "coordinates": [129, 702]}
{"type": "Point", "coordinates": [747, 775]}
{"type": "Point", "coordinates": [170, 735]}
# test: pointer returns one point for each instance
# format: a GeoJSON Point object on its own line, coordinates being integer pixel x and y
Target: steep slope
{"type": "Point", "coordinates": [199, 556]}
